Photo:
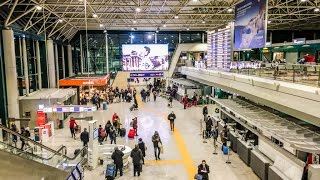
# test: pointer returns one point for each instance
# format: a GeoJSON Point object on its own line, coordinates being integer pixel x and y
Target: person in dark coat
{"type": "Point", "coordinates": [203, 169]}
{"type": "Point", "coordinates": [118, 160]}
{"type": "Point", "coordinates": [136, 156]}
{"type": "Point", "coordinates": [143, 148]}
{"type": "Point", "coordinates": [113, 135]}
{"type": "Point", "coordinates": [209, 125]}
{"type": "Point", "coordinates": [171, 118]}
{"type": "Point", "coordinates": [205, 112]}
{"type": "Point", "coordinates": [107, 128]}
{"type": "Point", "coordinates": [156, 144]}
{"type": "Point", "coordinates": [84, 136]}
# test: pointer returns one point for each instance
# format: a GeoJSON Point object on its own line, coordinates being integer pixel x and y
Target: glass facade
{"type": "Point", "coordinates": [97, 46]}
{"type": "Point", "coordinates": [3, 96]}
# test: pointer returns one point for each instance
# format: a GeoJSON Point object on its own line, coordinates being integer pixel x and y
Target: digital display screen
{"type": "Point", "coordinates": [145, 57]}
{"type": "Point", "coordinates": [95, 133]}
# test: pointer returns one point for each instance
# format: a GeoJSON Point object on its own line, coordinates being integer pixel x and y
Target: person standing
{"type": "Point", "coordinates": [72, 125]}
{"type": "Point", "coordinates": [107, 128]}
{"type": "Point", "coordinates": [84, 137]}
{"type": "Point", "coordinates": [14, 137]}
{"type": "Point", "coordinates": [154, 95]}
{"type": "Point", "coordinates": [135, 125]}
{"type": "Point", "coordinates": [209, 125]}
{"type": "Point", "coordinates": [171, 118]}
{"type": "Point", "coordinates": [203, 170]}
{"type": "Point", "coordinates": [157, 144]}
{"type": "Point", "coordinates": [184, 101]}
{"type": "Point", "coordinates": [113, 136]}
{"type": "Point", "coordinates": [136, 156]}
{"type": "Point", "coordinates": [21, 139]}
{"type": "Point", "coordinates": [118, 160]}
{"type": "Point", "coordinates": [101, 134]}
{"type": "Point", "coordinates": [143, 149]}
{"type": "Point", "coordinates": [205, 112]}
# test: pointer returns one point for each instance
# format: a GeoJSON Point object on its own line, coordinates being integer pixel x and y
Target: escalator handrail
{"type": "Point", "coordinates": [43, 146]}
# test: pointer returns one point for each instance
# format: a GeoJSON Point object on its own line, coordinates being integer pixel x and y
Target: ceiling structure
{"type": "Point", "coordinates": [61, 19]}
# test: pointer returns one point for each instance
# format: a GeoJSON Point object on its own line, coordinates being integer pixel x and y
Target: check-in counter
{"type": "Point", "coordinates": [243, 150]}
{"type": "Point", "coordinates": [314, 172]}
{"type": "Point", "coordinates": [276, 174]}
{"type": "Point", "coordinates": [259, 163]}
{"type": "Point", "coordinates": [233, 137]}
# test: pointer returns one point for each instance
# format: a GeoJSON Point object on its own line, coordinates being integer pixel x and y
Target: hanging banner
{"type": "Point", "coordinates": [41, 118]}
{"type": "Point", "coordinates": [250, 24]}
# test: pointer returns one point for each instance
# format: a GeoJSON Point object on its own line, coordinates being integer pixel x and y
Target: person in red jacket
{"type": "Point", "coordinates": [184, 101]}
{"type": "Point", "coordinates": [72, 125]}
{"type": "Point", "coordinates": [114, 117]}
{"type": "Point", "coordinates": [135, 125]}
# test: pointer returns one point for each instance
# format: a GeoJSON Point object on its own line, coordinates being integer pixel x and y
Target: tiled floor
{"type": "Point", "coordinates": [183, 150]}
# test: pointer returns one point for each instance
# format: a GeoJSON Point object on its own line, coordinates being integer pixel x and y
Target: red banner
{"type": "Point", "coordinates": [41, 118]}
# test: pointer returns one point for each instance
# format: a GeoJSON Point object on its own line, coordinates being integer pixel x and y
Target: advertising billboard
{"type": "Point", "coordinates": [145, 57]}
{"type": "Point", "coordinates": [250, 24]}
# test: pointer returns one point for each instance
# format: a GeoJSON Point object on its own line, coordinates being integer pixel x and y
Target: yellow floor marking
{"type": "Point", "coordinates": [163, 162]}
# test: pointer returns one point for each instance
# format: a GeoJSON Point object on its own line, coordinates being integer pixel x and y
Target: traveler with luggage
{"type": "Point", "coordinates": [143, 149]}
{"type": "Point", "coordinates": [224, 137]}
{"type": "Point", "coordinates": [135, 125]}
{"type": "Point", "coordinates": [171, 118]}
{"type": "Point", "coordinates": [203, 170]}
{"type": "Point", "coordinates": [107, 129]}
{"type": "Point", "coordinates": [84, 137]}
{"type": "Point", "coordinates": [205, 112]}
{"type": "Point", "coordinates": [157, 144]}
{"type": "Point", "coordinates": [101, 134]}
{"type": "Point", "coordinates": [209, 125]}
{"type": "Point", "coordinates": [136, 156]}
{"type": "Point", "coordinates": [72, 125]}
{"type": "Point", "coordinates": [118, 161]}
{"type": "Point", "coordinates": [113, 135]}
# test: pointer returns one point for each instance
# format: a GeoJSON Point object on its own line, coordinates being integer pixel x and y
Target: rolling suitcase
{"type": "Point", "coordinates": [225, 150]}
{"type": "Point", "coordinates": [123, 132]}
{"type": "Point", "coordinates": [110, 171]}
{"type": "Point", "coordinates": [131, 133]}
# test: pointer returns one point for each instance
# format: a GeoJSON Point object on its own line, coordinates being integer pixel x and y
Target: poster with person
{"type": "Point", "coordinates": [145, 57]}
{"type": "Point", "coordinates": [250, 24]}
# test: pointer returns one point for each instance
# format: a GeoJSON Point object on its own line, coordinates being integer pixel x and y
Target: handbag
{"type": "Point", "coordinates": [198, 176]}
{"type": "Point", "coordinates": [161, 149]}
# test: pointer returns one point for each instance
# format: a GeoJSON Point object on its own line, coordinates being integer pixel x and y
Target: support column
{"type": "Point", "coordinates": [63, 62]}
{"type": "Point", "coordinates": [25, 66]}
{"type": "Point", "coordinates": [107, 54]}
{"type": "Point", "coordinates": [155, 38]}
{"type": "Point", "coordinates": [202, 36]}
{"type": "Point", "coordinates": [81, 55]}
{"type": "Point", "coordinates": [179, 38]}
{"type": "Point", "coordinates": [38, 65]}
{"type": "Point", "coordinates": [51, 64]}
{"type": "Point", "coordinates": [70, 68]}
{"type": "Point", "coordinates": [11, 75]}
{"type": "Point", "coordinates": [57, 64]}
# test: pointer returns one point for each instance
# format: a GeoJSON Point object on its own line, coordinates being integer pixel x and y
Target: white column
{"type": "Point", "coordinates": [81, 55]}
{"type": "Point", "coordinates": [57, 63]}
{"type": "Point", "coordinates": [38, 65]}
{"type": "Point", "coordinates": [63, 62]}
{"type": "Point", "coordinates": [107, 54]}
{"type": "Point", "coordinates": [51, 64]}
{"type": "Point", "coordinates": [155, 38]}
{"type": "Point", "coordinates": [202, 36]}
{"type": "Point", "coordinates": [11, 74]}
{"type": "Point", "coordinates": [70, 61]}
{"type": "Point", "coordinates": [179, 38]}
{"type": "Point", "coordinates": [25, 65]}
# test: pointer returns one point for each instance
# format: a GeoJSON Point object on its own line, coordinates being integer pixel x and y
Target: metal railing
{"type": "Point", "coordinates": [37, 151]}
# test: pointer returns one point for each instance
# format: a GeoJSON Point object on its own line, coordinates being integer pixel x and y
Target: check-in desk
{"type": "Point", "coordinates": [243, 150]}
{"type": "Point", "coordinates": [314, 172]}
{"type": "Point", "coordinates": [259, 163]}
{"type": "Point", "coordinates": [233, 137]}
{"type": "Point", "coordinates": [276, 174]}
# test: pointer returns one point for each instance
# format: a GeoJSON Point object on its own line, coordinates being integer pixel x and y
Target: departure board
{"type": "Point", "coordinates": [220, 47]}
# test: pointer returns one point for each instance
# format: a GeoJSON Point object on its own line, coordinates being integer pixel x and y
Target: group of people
{"type": "Point", "coordinates": [23, 132]}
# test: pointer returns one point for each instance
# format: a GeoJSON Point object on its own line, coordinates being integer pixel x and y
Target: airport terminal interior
{"type": "Point", "coordinates": [160, 89]}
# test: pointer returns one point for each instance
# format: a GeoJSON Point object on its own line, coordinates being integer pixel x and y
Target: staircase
{"type": "Point", "coordinates": [121, 80]}
{"type": "Point", "coordinates": [35, 161]}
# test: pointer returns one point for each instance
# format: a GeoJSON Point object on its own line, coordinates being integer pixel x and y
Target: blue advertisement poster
{"type": "Point", "coordinates": [250, 24]}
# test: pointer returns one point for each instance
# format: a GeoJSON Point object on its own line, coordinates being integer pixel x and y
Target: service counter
{"type": "Point", "coordinates": [233, 137]}
{"type": "Point", "coordinates": [244, 150]}
{"type": "Point", "coordinates": [259, 163]}
{"type": "Point", "coordinates": [275, 174]}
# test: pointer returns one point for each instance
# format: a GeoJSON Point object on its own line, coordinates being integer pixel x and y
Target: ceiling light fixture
{"type": "Point", "coordinates": [149, 36]}
{"type": "Point", "coordinates": [132, 37]}
{"type": "Point", "coordinates": [303, 0]}
{"type": "Point", "coordinates": [203, 22]}
{"type": "Point", "coordinates": [188, 29]}
{"type": "Point", "coordinates": [269, 22]}
{"type": "Point", "coordinates": [60, 20]}
{"type": "Point", "coordinates": [138, 9]}
{"type": "Point", "coordinates": [104, 31]}
{"type": "Point", "coordinates": [101, 25]}
{"type": "Point", "coordinates": [134, 21]}
{"type": "Point", "coordinates": [94, 15]}
{"type": "Point", "coordinates": [194, 0]}
{"type": "Point", "coordinates": [164, 25]}
{"type": "Point", "coordinates": [316, 10]}
{"type": "Point", "coordinates": [38, 8]}
{"type": "Point", "coordinates": [176, 17]}
{"type": "Point", "coordinates": [230, 10]}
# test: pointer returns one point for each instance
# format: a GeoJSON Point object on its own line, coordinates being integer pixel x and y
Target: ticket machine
{"type": "Point", "coordinates": [93, 144]}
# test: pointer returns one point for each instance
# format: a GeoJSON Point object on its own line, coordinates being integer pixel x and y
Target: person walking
{"type": "Point", "coordinates": [107, 128]}
{"type": "Point", "coordinates": [136, 156]}
{"type": "Point", "coordinates": [72, 125]}
{"type": "Point", "coordinates": [157, 144]}
{"type": "Point", "coordinates": [184, 101]}
{"type": "Point", "coordinates": [101, 134]}
{"type": "Point", "coordinates": [21, 139]}
{"type": "Point", "coordinates": [84, 137]}
{"type": "Point", "coordinates": [154, 95]}
{"type": "Point", "coordinates": [171, 118]}
{"type": "Point", "coordinates": [135, 125]}
{"type": "Point", "coordinates": [209, 125]}
{"type": "Point", "coordinates": [14, 137]}
{"type": "Point", "coordinates": [113, 135]}
{"type": "Point", "coordinates": [170, 101]}
{"type": "Point", "coordinates": [143, 149]}
{"type": "Point", "coordinates": [205, 112]}
{"type": "Point", "coordinates": [203, 170]}
{"type": "Point", "coordinates": [118, 160]}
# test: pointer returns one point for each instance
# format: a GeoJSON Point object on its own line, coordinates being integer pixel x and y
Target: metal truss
{"type": "Point", "coordinates": [61, 19]}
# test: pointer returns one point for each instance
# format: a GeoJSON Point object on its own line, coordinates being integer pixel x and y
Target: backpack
{"type": "Point", "coordinates": [102, 133]}
{"type": "Point", "coordinates": [27, 133]}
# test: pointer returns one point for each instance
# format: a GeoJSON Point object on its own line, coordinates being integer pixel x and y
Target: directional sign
{"type": "Point", "coordinates": [146, 74]}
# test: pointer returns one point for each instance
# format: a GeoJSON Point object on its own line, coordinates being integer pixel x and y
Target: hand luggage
{"type": "Point", "coordinates": [225, 150]}
{"type": "Point", "coordinates": [110, 171]}
{"type": "Point", "coordinates": [198, 176]}
{"type": "Point", "coordinates": [76, 151]}
{"type": "Point", "coordinates": [123, 132]}
{"type": "Point", "coordinates": [131, 133]}
{"type": "Point", "coordinates": [77, 129]}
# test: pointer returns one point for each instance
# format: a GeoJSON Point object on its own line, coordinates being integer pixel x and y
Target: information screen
{"type": "Point", "coordinates": [145, 57]}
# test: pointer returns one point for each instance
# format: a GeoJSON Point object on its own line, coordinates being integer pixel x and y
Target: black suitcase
{"type": "Point", "coordinates": [123, 132]}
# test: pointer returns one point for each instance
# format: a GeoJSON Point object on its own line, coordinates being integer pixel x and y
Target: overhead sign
{"type": "Point", "coordinates": [250, 24]}
{"type": "Point", "coordinates": [98, 81]}
{"type": "Point", "coordinates": [146, 74]}
{"type": "Point", "coordinates": [299, 41]}
{"type": "Point", "coordinates": [63, 109]}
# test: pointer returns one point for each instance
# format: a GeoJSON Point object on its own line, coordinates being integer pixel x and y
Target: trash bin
{"type": "Point", "coordinates": [60, 124]}
{"type": "Point", "coordinates": [104, 106]}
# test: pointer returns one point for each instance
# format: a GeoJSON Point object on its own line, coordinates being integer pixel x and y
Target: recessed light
{"type": "Point", "coordinates": [176, 17]}
{"type": "Point", "coordinates": [164, 25]}
{"type": "Point", "coordinates": [38, 8]}
{"type": "Point", "coordinates": [132, 37]}
{"type": "Point", "coordinates": [188, 29]}
{"type": "Point", "coordinates": [230, 10]}
{"type": "Point", "coordinates": [149, 36]}
{"type": "Point", "coordinates": [134, 21]}
{"type": "Point", "coordinates": [269, 22]}
{"type": "Point", "coordinates": [157, 31]}
{"type": "Point", "coordinates": [303, 0]}
{"type": "Point", "coordinates": [105, 31]}
{"type": "Point", "coordinates": [138, 9]}
{"type": "Point", "coordinates": [60, 20]}
{"type": "Point", "coordinates": [132, 29]}
{"type": "Point", "coordinates": [316, 10]}
{"type": "Point", "coordinates": [94, 15]}
{"type": "Point", "coordinates": [203, 22]}
{"type": "Point", "coordinates": [194, 0]}
{"type": "Point", "coordinates": [101, 25]}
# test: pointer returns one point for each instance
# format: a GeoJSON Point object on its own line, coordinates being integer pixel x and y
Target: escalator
{"type": "Point", "coordinates": [36, 159]}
